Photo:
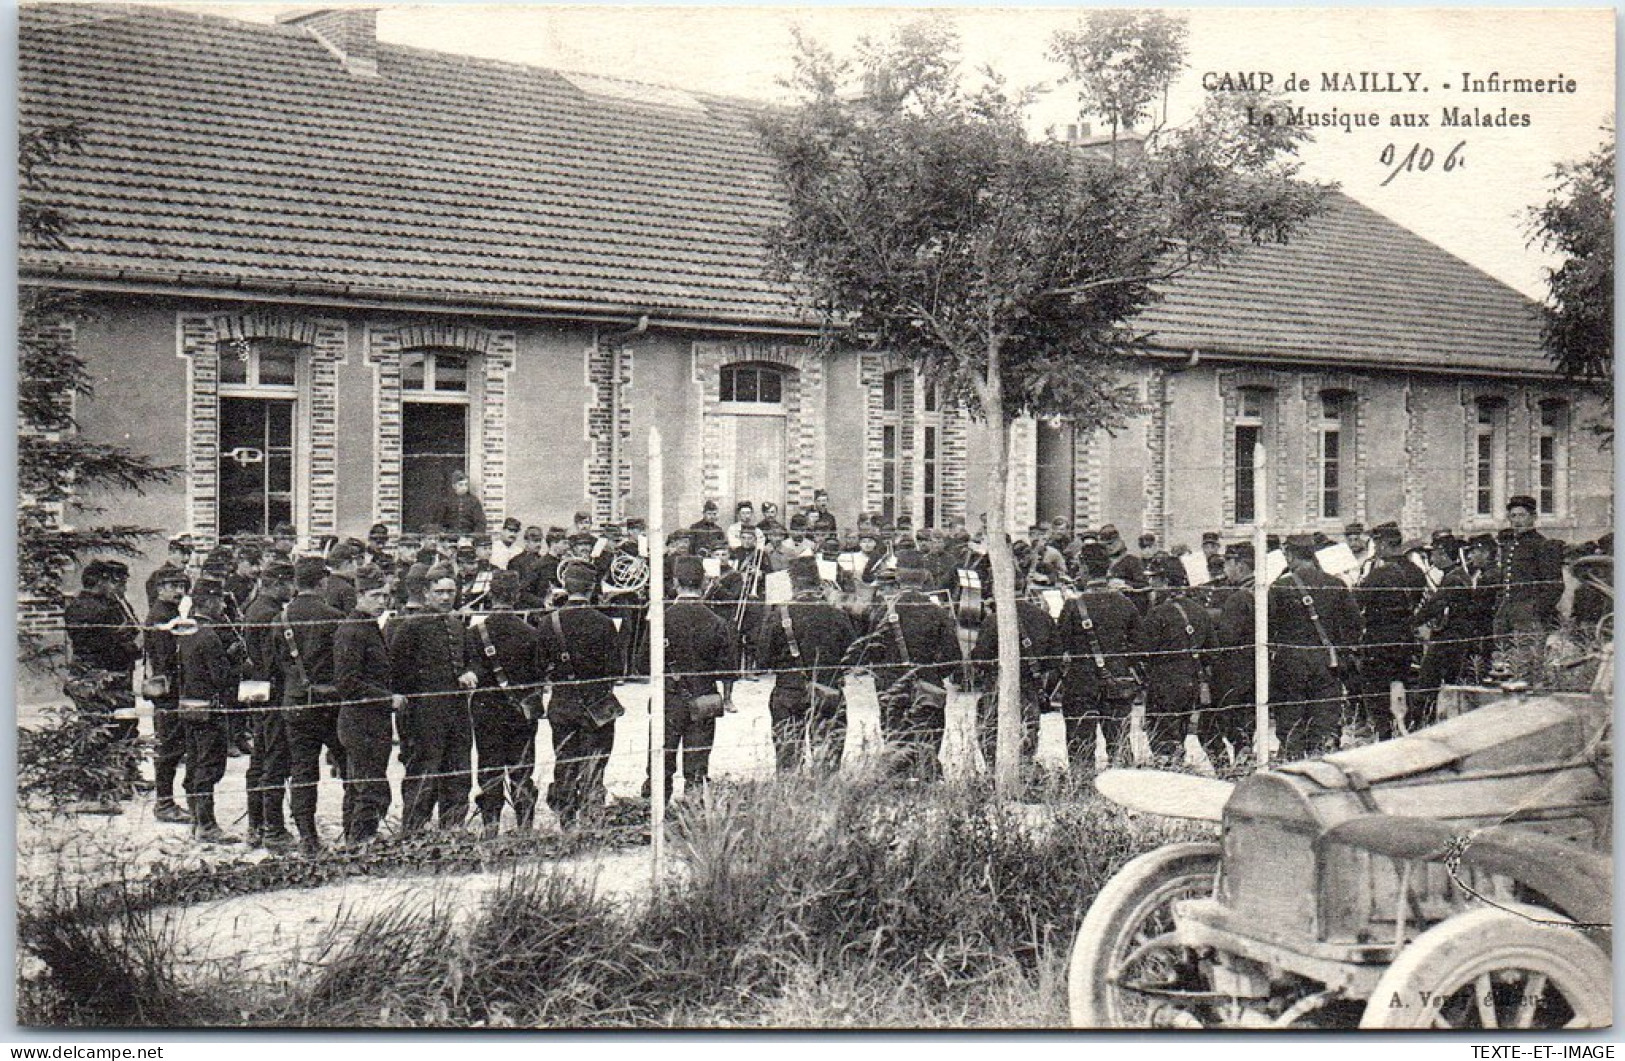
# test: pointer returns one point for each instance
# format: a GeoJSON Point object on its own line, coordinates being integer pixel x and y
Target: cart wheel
{"type": "Point", "coordinates": [1495, 968]}
{"type": "Point", "coordinates": [1126, 935]}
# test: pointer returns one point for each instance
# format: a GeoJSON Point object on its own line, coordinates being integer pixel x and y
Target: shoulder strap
{"type": "Point", "coordinates": [789, 631]}
{"type": "Point", "coordinates": [1190, 631]}
{"type": "Point", "coordinates": [1314, 617]}
{"type": "Point", "coordinates": [896, 626]}
{"type": "Point", "coordinates": [1091, 634]}
{"type": "Point", "coordinates": [564, 647]}
{"type": "Point", "coordinates": [293, 646]}
{"type": "Point", "coordinates": [490, 652]}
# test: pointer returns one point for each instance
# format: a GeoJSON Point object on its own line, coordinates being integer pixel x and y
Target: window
{"type": "Point", "coordinates": [258, 364]}
{"type": "Point", "coordinates": [434, 372]}
{"type": "Point", "coordinates": [888, 471]}
{"type": "Point", "coordinates": [1249, 432]}
{"type": "Point", "coordinates": [895, 447]}
{"type": "Point", "coordinates": [1332, 436]}
{"type": "Point", "coordinates": [258, 416]}
{"type": "Point", "coordinates": [928, 478]}
{"type": "Point", "coordinates": [1488, 455]}
{"type": "Point", "coordinates": [434, 432]}
{"type": "Point", "coordinates": [760, 384]}
{"type": "Point", "coordinates": [1552, 457]}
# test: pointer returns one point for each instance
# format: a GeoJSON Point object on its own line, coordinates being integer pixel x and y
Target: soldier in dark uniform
{"type": "Point", "coordinates": [706, 533]}
{"type": "Point", "coordinates": [529, 564]}
{"type": "Point", "coordinates": [1097, 633]}
{"type": "Point", "coordinates": [250, 560]}
{"type": "Point", "coordinates": [311, 694]}
{"type": "Point", "coordinates": [1174, 636]}
{"type": "Point", "coordinates": [430, 668]}
{"type": "Point", "coordinates": [267, 775]}
{"type": "Point", "coordinates": [501, 648]}
{"type": "Point", "coordinates": [576, 651]}
{"type": "Point", "coordinates": [473, 579]}
{"type": "Point", "coordinates": [1530, 574]}
{"type": "Point", "coordinates": [913, 646]}
{"type": "Point", "coordinates": [821, 520]}
{"type": "Point", "coordinates": [1460, 617]}
{"type": "Point", "coordinates": [378, 554]}
{"type": "Point", "coordinates": [1231, 662]}
{"type": "Point", "coordinates": [361, 669]}
{"type": "Point", "coordinates": [178, 561]}
{"type": "Point", "coordinates": [1388, 598]}
{"type": "Point", "coordinates": [1309, 658]}
{"type": "Point", "coordinates": [105, 639]}
{"type": "Point", "coordinates": [461, 512]}
{"type": "Point", "coordinates": [163, 661]}
{"type": "Point", "coordinates": [339, 590]}
{"type": "Point", "coordinates": [700, 673]}
{"type": "Point", "coordinates": [207, 676]}
{"type": "Point", "coordinates": [804, 644]}
{"type": "Point", "coordinates": [1039, 649]}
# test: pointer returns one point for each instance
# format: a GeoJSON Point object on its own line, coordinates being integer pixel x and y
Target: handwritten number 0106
{"type": "Point", "coordinates": [1420, 159]}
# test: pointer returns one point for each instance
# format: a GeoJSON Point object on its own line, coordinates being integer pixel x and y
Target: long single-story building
{"type": "Point", "coordinates": [325, 273]}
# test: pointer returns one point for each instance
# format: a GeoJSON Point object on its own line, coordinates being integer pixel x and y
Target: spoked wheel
{"type": "Point", "coordinates": [1523, 968]}
{"type": "Point", "coordinates": [1127, 968]}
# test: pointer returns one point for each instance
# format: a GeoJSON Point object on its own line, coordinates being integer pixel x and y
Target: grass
{"type": "Point", "coordinates": [803, 902]}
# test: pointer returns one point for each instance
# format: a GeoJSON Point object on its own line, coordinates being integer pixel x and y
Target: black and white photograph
{"type": "Point", "coordinates": [807, 518]}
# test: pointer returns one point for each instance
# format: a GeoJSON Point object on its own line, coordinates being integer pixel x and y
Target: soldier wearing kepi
{"type": "Point", "coordinates": [1174, 637]}
{"type": "Point", "coordinates": [501, 648]}
{"type": "Point", "coordinates": [361, 670]}
{"type": "Point", "coordinates": [105, 638]}
{"type": "Point", "coordinates": [1232, 662]}
{"type": "Point", "coordinates": [1039, 649]}
{"type": "Point", "coordinates": [267, 777]}
{"type": "Point", "coordinates": [207, 679]}
{"type": "Point", "coordinates": [700, 673]}
{"type": "Point", "coordinates": [576, 651]}
{"type": "Point", "coordinates": [1460, 617]}
{"type": "Point", "coordinates": [1097, 632]}
{"type": "Point", "coordinates": [1530, 574]}
{"type": "Point", "coordinates": [163, 667]}
{"type": "Point", "coordinates": [916, 646]}
{"type": "Point", "coordinates": [804, 644]}
{"type": "Point", "coordinates": [1313, 625]}
{"type": "Point", "coordinates": [1388, 597]}
{"type": "Point", "coordinates": [427, 655]}
{"type": "Point", "coordinates": [311, 695]}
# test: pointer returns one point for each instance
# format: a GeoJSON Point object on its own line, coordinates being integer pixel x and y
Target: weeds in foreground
{"type": "Point", "coordinates": [801, 902]}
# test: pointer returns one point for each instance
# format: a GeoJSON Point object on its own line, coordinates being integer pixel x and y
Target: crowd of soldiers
{"type": "Point", "coordinates": [455, 646]}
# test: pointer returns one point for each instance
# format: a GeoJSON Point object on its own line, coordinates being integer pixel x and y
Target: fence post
{"type": "Point", "coordinates": [1261, 616]}
{"type": "Point", "coordinates": [657, 658]}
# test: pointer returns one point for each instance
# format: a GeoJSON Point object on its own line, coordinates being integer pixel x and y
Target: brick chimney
{"type": "Point", "coordinates": [351, 33]}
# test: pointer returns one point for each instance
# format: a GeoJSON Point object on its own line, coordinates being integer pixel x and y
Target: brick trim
{"type": "Point", "coordinates": [326, 341]}
{"type": "Point", "coordinates": [608, 428]}
{"type": "Point", "coordinates": [1088, 478]}
{"type": "Point", "coordinates": [1352, 467]}
{"type": "Point", "coordinates": [495, 352]}
{"type": "Point", "coordinates": [1154, 513]}
{"type": "Point", "coordinates": [1413, 514]}
{"type": "Point", "coordinates": [804, 402]}
{"type": "Point", "coordinates": [1231, 382]}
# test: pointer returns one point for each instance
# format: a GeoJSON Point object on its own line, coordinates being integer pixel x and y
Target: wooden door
{"type": "Point", "coordinates": [758, 460]}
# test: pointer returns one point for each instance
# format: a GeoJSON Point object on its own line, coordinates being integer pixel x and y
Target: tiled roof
{"type": "Point", "coordinates": [1352, 286]}
{"type": "Point", "coordinates": [224, 154]}
{"type": "Point", "coordinates": [227, 151]}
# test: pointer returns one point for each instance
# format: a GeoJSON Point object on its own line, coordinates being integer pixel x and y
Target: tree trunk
{"type": "Point", "coordinates": [1007, 772]}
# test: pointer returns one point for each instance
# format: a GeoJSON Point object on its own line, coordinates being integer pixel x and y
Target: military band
{"type": "Point", "coordinates": [438, 642]}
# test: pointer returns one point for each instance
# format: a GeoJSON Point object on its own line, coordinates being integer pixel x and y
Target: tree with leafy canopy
{"type": "Point", "coordinates": [59, 473]}
{"type": "Point", "coordinates": [1577, 319]}
{"type": "Point", "coordinates": [922, 218]}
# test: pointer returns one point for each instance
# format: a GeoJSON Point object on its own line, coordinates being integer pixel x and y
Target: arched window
{"type": "Point", "coordinates": [1253, 407]}
{"type": "Point", "coordinates": [435, 430]}
{"type": "Point", "coordinates": [259, 406]}
{"type": "Point", "coordinates": [751, 384]}
{"type": "Point", "coordinates": [1552, 456]}
{"type": "Point", "coordinates": [1489, 456]}
{"type": "Point", "coordinates": [1334, 435]}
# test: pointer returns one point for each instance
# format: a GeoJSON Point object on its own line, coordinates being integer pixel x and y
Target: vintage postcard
{"type": "Point", "coordinates": [631, 517]}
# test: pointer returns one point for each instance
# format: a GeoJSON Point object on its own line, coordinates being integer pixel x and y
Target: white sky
{"type": "Point", "coordinates": [1475, 211]}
